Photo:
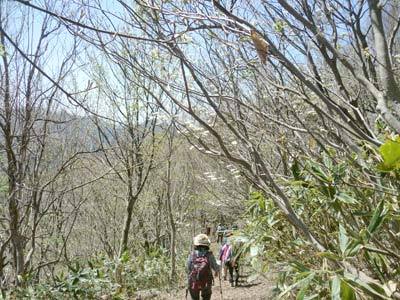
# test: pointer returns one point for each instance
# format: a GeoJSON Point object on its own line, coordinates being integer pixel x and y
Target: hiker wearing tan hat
{"type": "Point", "coordinates": [200, 264]}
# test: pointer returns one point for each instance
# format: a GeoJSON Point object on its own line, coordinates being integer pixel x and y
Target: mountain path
{"type": "Point", "coordinates": [258, 289]}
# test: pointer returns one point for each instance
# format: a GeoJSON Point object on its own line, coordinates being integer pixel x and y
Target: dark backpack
{"type": "Point", "coordinates": [200, 276]}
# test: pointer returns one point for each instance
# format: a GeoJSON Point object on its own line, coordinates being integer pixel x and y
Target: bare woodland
{"type": "Point", "coordinates": [126, 126]}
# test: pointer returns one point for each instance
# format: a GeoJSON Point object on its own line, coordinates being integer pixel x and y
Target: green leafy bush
{"type": "Point", "coordinates": [115, 279]}
{"type": "Point", "coordinates": [352, 208]}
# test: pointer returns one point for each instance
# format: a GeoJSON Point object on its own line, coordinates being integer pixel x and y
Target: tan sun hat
{"type": "Point", "coordinates": [201, 240]}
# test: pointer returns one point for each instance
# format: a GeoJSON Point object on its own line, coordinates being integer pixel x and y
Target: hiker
{"type": "Point", "coordinates": [200, 264]}
{"type": "Point", "coordinates": [233, 265]}
{"type": "Point", "coordinates": [229, 257]}
{"type": "Point", "coordinates": [220, 233]}
{"type": "Point", "coordinates": [224, 257]}
{"type": "Point", "coordinates": [235, 262]}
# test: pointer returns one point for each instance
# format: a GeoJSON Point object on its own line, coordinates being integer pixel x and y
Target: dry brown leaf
{"type": "Point", "coordinates": [261, 45]}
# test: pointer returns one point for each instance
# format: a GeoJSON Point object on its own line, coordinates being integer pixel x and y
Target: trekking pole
{"type": "Point", "coordinates": [220, 286]}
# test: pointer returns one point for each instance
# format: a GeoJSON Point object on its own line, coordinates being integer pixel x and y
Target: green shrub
{"type": "Point", "coordinates": [351, 206]}
{"type": "Point", "coordinates": [117, 279]}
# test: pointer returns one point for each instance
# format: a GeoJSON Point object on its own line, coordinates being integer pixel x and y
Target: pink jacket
{"type": "Point", "coordinates": [225, 253]}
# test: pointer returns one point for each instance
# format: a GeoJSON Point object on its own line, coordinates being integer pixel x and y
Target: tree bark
{"type": "Point", "coordinates": [171, 219]}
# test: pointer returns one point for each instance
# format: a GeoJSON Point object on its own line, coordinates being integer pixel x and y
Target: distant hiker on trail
{"type": "Point", "coordinates": [234, 264]}
{"type": "Point", "coordinates": [220, 233]}
{"type": "Point", "coordinates": [230, 261]}
{"type": "Point", "coordinates": [199, 265]}
{"type": "Point", "coordinates": [224, 257]}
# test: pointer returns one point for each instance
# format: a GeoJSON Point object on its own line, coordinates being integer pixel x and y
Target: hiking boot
{"type": "Point", "coordinates": [232, 284]}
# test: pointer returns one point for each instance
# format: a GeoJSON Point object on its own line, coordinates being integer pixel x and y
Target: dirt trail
{"type": "Point", "coordinates": [255, 290]}
{"type": "Point", "coordinates": [259, 289]}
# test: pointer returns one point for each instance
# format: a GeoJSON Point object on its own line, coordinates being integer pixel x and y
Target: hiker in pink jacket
{"type": "Point", "coordinates": [229, 260]}
{"type": "Point", "coordinates": [225, 255]}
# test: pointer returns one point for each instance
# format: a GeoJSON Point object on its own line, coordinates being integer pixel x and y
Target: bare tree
{"type": "Point", "coordinates": [262, 83]}
{"type": "Point", "coordinates": [31, 115]}
{"type": "Point", "coordinates": [128, 142]}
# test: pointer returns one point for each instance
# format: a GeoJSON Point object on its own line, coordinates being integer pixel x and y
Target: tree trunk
{"type": "Point", "coordinates": [127, 222]}
{"type": "Point", "coordinates": [171, 220]}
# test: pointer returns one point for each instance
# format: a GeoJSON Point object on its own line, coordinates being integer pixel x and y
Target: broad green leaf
{"type": "Point", "coordinates": [339, 171]}
{"type": "Point", "coordinates": [346, 291]}
{"type": "Point", "coordinates": [352, 248]}
{"type": "Point", "coordinates": [390, 152]}
{"type": "Point", "coordinates": [329, 190]}
{"type": "Point", "coordinates": [335, 288]}
{"type": "Point", "coordinates": [329, 255]}
{"type": "Point", "coordinates": [298, 284]}
{"type": "Point", "coordinates": [371, 248]}
{"type": "Point", "coordinates": [345, 198]}
{"type": "Point", "coordinates": [319, 173]}
{"type": "Point", "coordinates": [327, 161]}
{"type": "Point", "coordinates": [301, 293]}
{"type": "Point", "coordinates": [299, 266]}
{"type": "Point", "coordinates": [377, 218]}
{"type": "Point", "coordinates": [375, 290]}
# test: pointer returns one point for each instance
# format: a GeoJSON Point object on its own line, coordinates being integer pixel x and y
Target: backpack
{"type": "Point", "coordinates": [200, 276]}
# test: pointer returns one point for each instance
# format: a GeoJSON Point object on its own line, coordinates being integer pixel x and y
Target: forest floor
{"type": "Point", "coordinates": [258, 289]}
